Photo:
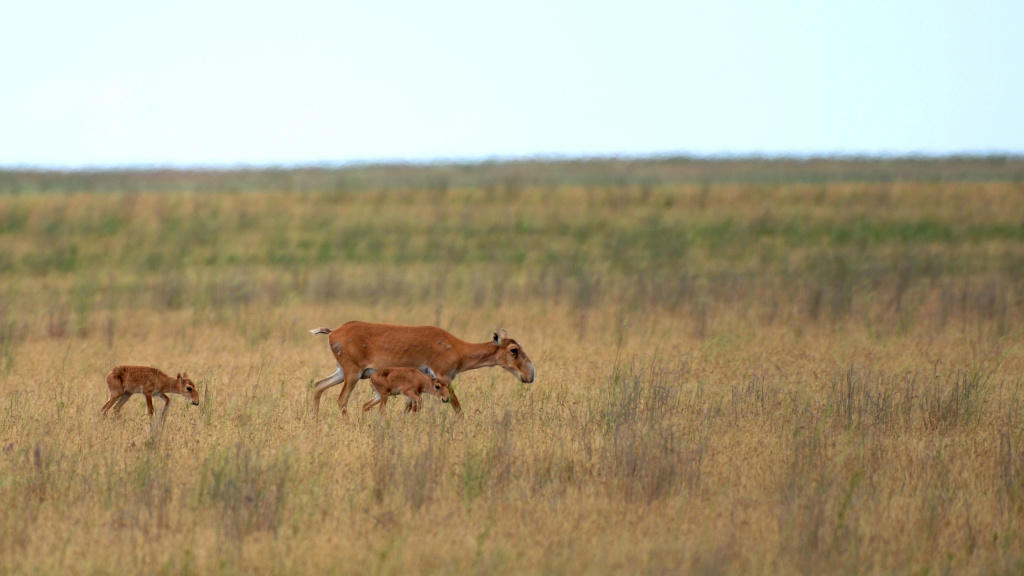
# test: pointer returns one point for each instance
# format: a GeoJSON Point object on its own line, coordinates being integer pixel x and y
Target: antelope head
{"type": "Point", "coordinates": [511, 356]}
{"type": "Point", "coordinates": [439, 387]}
{"type": "Point", "coordinates": [188, 388]}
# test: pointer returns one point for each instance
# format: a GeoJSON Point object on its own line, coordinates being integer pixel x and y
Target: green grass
{"type": "Point", "coordinates": [743, 367]}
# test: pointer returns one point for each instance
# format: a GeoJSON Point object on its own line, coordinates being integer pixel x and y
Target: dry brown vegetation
{"type": "Point", "coordinates": [799, 369]}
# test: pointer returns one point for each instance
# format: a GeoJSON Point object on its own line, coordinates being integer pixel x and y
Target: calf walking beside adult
{"type": "Point", "coordinates": [361, 348]}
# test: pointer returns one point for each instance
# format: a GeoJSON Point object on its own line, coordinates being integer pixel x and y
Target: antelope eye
{"type": "Point", "coordinates": [437, 386]}
{"type": "Point", "coordinates": [188, 388]}
{"type": "Point", "coordinates": [515, 352]}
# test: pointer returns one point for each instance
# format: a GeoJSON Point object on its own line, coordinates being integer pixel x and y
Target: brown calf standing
{"type": "Point", "coordinates": [124, 381]}
{"type": "Point", "coordinates": [409, 381]}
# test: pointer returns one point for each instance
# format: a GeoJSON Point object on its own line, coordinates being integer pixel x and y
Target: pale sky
{"type": "Point", "coordinates": [142, 83]}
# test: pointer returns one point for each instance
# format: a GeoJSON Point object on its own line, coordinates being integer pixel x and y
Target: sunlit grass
{"type": "Point", "coordinates": [790, 376]}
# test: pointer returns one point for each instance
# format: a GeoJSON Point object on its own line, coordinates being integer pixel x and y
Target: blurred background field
{"type": "Point", "coordinates": [743, 366]}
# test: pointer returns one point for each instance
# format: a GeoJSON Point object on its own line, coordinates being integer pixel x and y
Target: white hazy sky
{"type": "Point", "coordinates": [112, 83]}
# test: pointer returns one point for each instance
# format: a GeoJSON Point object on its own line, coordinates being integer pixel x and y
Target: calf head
{"type": "Point", "coordinates": [511, 356]}
{"type": "Point", "coordinates": [188, 388]}
{"type": "Point", "coordinates": [439, 387]}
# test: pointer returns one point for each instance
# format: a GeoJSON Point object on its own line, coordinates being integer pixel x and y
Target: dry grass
{"type": "Point", "coordinates": [732, 378]}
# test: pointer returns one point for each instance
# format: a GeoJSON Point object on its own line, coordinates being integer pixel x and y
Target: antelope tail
{"type": "Point", "coordinates": [316, 331]}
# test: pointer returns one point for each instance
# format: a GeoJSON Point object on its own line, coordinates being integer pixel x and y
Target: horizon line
{"type": "Point", "coordinates": [447, 161]}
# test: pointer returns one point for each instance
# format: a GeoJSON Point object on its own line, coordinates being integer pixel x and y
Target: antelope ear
{"type": "Point", "coordinates": [184, 375]}
{"type": "Point", "coordinates": [502, 334]}
{"type": "Point", "coordinates": [179, 376]}
{"type": "Point", "coordinates": [496, 338]}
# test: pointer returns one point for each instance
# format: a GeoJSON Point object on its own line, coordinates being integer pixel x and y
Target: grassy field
{"type": "Point", "coordinates": [743, 367]}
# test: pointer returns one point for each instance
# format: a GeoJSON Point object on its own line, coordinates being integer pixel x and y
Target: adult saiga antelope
{"type": "Point", "coordinates": [360, 349]}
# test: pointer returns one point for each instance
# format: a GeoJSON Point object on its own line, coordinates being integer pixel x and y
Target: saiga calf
{"type": "Point", "coordinates": [409, 381]}
{"type": "Point", "coordinates": [124, 381]}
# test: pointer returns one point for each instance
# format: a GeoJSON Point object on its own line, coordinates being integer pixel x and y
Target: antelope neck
{"type": "Point", "coordinates": [473, 356]}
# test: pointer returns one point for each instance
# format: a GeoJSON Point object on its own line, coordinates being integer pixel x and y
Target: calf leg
{"type": "Point", "coordinates": [167, 405]}
{"type": "Point", "coordinates": [120, 403]}
{"type": "Point", "coordinates": [373, 402]}
{"type": "Point", "coordinates": [113, 398]}
{"type": "Point", "coordinates": [414, 401]}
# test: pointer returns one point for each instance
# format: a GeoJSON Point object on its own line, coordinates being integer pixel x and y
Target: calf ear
{"type": "Point", "coordinates": [179, 376]}
{"type": "Point", "coordinates": [502, 334]}
{"type": "Point", "coordinates": [496, 338]}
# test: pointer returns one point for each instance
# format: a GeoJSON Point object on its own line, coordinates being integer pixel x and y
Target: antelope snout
{"type": "Point", "coordinates": [445, 400]}
{"type": "Point", "coordinates": [527, 377]}
{"type": "Point", "coordinates": [195, 402]}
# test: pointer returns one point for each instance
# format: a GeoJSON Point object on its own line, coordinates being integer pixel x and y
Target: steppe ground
{"type": "Point", "coordinates": [743, 367]}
